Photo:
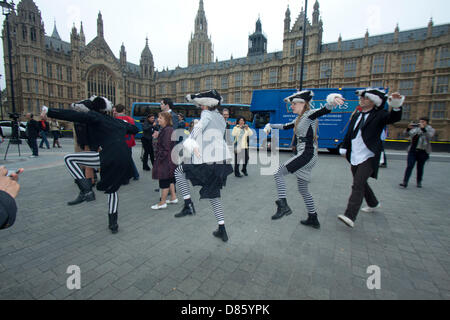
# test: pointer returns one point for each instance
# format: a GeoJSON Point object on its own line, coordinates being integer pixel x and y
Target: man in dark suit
{"type": "Point", "coordinates": [32, 134]}
{"type": "Point", "coordinates": [362, 147]}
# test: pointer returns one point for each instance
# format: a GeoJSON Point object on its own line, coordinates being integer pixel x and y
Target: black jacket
{"type": "Point", "coordinates": [115, 157]}
{"type": "Point", "coordinates": [32, 129]}
{"type": "Point", "coordinates": [8, 210]}
{"type": "Point", "coordinates": [371, 133]}
{"type": "Point", "coordinates": [148, 129]}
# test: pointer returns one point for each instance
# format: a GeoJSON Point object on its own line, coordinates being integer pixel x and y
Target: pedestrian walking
{"type": "Point", "coordinates": [241, 134]}
{"type": "Point", "coordinates": [44, 129]}
{"type": "Point", "coordinates": [55, 131]}
{"type": "Point", "coordinates": [32, 132]}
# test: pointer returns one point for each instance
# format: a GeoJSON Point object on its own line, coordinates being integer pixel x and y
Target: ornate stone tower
{"type": "Point", "coordinates": [293, 38]}
{"type": "Point", "coordinates": [200, 46]}
{"type": "Point", "coordinates": [147, 64]}
{"type": "Point", "coordinates": [257, 42]}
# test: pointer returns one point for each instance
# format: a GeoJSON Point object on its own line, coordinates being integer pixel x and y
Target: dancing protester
{"type": "Point", "coordinates": [241, 134]}
{"type": "Point", "coordinates": [362, 147]}
{"type": "Point", "coordinates": [209, 154]}
{"type": "Point", "coordinates": [164, 167]}
{"type": "Point", "coordinates": [420, 149]}
{"type": "Point", "coordinates": [305, 127]}
{"type": "Point", "coordinates": [114, 159]}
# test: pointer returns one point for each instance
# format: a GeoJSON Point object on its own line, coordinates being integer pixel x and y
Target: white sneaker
{"type": "Point", "coordinates": [370, 209]}
{"type": "Point", "coordinates": [158, 207]}
{"type": "Point", "coordinates": [172, 202]}
{"type": "Point", "coordinates": [347, 221]}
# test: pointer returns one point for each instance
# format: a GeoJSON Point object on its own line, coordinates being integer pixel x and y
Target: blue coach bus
{"type": "Point", "coordinates": [268, 106]}
{"type": "Point", "coordinates": [141, 109]}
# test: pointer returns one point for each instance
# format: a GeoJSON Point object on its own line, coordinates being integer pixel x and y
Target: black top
{"type": "Point", "coordinates": [371, 133]}
{"type": "Point", "coordinates": [32, 129]}
{"type": "Point", "coordinates": [115, 157]}
{"type": "Point", "coordinates": [149, 129]}
{"type": "Point", "coordinates": [8, 210]}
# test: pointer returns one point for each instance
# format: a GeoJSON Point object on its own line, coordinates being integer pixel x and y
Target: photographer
{"type": "Point", "coordinates": [419, 150]}
{"type": "Point", "coordinates": [9, 189]}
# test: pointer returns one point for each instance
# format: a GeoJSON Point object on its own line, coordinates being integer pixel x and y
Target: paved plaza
{"type": "Point", "coordinates": [157, 257]}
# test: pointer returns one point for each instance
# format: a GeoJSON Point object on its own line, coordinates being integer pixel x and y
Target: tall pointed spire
{"type": "Point", "coordinates": [82, 36]}
{"type": "Point", "coordinates": [200, 46]}
{"type": "Point", "coordinates": [100, 25]}
{"type": "Point", "coordinates": [55, 33]}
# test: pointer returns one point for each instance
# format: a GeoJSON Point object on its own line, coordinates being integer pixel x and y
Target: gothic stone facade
{"type": "Point", "coordinates": [50, 71]}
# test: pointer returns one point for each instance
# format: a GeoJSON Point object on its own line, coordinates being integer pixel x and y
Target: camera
{"type": "Point", "coordinates": [14, 116]}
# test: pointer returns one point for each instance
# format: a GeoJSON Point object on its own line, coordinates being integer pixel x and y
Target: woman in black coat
{"type": "Point", "coordinates": [114, 160]}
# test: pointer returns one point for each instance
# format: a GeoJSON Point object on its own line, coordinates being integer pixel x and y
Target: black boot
{"type": "Point", "coordinates": [283, 209]}
{"type": "Point", "coordinates": [113, 226]}
{"type": "Point", "coordinates": [188, 210]}
{"type": "Point", "coordinates": [312, 221]}
{"type": "Point", "coordinates": [221, 233]}
{"type": "Point", "coordinates": [244, 171]}
{"type": "Point", "coordinates": [86, 193]}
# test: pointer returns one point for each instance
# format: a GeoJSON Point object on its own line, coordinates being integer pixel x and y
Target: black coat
{"type": "Point", "coordinates": [32, 129]}
{"type": "Point", "coordinates": [371, 133]}
{"type": "Point", "coordinates": [115, 158]}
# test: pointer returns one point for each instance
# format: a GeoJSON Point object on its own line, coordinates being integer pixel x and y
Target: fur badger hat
{"type": "Point", "coordinates": [209, 99]}
{"type": "Point", "coordinates": [99, 104]}
{"type": "Point", "coordinates": [303, 96]}
{"type": "Point", "coordinates": [377, 96]}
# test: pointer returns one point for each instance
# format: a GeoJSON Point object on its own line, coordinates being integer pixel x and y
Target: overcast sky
{"type": "Point", "coordinates": [169, 23]}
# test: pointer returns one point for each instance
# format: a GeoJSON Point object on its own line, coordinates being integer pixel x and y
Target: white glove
{"type": "Point", "coordinates": [331, 99]}
{"type": "Point", "coordinates": [44, 109]}
{"type": "Point", "coordinates": [189, 145]}
{"type": "Point", "coordinates": [396, 103]}
{"type": "Point", "coordinates": [343, 152]}
{"type": "Point", "coordinates": [267, 128]}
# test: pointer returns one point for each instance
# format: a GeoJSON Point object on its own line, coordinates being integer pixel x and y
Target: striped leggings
{"type": "Point", "coordinates": [302, 188]}
{"type": "Point", "coordinates": [92, 160]}
{"type": "Point", "coordinates": [185, 190]}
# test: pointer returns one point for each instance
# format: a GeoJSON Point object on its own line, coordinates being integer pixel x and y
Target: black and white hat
{"type": "Point", "coordinates": [99, 104]}
{"type": "Point", "coordinates": [303, 96]}
{"type": "Point", "coordinates": [377, 96]}
{"type": "Point", "coordinates": [209, 99]}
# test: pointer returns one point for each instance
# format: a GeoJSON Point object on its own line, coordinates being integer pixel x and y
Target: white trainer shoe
{"type": "Point", "coordinates": [158, 207]}
{"type": "Point", "coordinates": [370, 209]}
{"type": "Point", "coordinates": [347, 221]}
{"type": "Point", "coordinates": [172, 201]}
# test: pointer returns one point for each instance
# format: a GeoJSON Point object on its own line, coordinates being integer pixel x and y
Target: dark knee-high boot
{"type": "Point", "coordinates": [282, 210]}
{"type": "Point", "coordinates": [188, 209]}
{"type": "Point", "coordinates": [86, 193]}
{"type": "Point", "coordinates": [113, 226]}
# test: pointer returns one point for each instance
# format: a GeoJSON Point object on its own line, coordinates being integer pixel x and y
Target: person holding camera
{"type": "Point", "coordinates": [420, 149]}
{"type": "Point", "coordinates": [9, 189]}
{"type": "Point", "coordinates": [241, 134]}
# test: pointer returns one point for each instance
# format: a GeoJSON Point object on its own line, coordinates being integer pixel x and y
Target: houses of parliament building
{"type": "Point", "coordinates": [49, 71]}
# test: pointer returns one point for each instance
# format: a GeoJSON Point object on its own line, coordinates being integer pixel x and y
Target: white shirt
{"type": "Point", "coordinates": [360, 152]}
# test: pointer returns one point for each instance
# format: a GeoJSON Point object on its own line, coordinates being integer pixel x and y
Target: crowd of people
{"type": "Point", "coordinates": [104, 145]}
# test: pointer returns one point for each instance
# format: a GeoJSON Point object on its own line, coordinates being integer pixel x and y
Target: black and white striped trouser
{"type": "Point", "coordinates": [92, 160]}
{"type": "Point", "coordinates": [302, 188]}
{"type": "Point", "coordinates": [185, 190]}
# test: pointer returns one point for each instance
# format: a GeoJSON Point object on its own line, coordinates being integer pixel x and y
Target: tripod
{"type": "Point", "coordinates": [15, 137]}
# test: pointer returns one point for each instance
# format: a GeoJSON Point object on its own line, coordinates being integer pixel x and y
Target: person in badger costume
{"type": "Point", "coordinates": [305, 128]}
{"type": "Point", "coordinates": [114, 160]}
{"type": "Point", "coordinates": [207, 155]}
{"type": "Point", "coordinates": [362, 147]}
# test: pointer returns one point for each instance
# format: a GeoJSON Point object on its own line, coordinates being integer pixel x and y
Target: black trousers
{"type": "Point", "coordinates": [419, 156]}
{"type": "Point", "coordinates": [148, 151]}
{"type": "Point", "coordinates": [238, 156]}
{"type": "Point", "coordinates": [32, 143]}
{"type": "Point", "coordinates": [361, 189]}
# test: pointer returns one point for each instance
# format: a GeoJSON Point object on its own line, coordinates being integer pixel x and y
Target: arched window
{"type": "Point", "coordinates": [101, 83]}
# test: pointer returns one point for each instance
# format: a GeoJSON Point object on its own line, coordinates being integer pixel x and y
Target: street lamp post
{"type": "Point", "coordinates": [304, 45]}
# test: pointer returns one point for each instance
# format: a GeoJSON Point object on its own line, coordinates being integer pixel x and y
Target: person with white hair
{"type": "Point", "coordinates": [114, 159]}
{"type": "Point", "coordinates": [305, 128]}
{"type": "Point", "coordinates": [208, 155]}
